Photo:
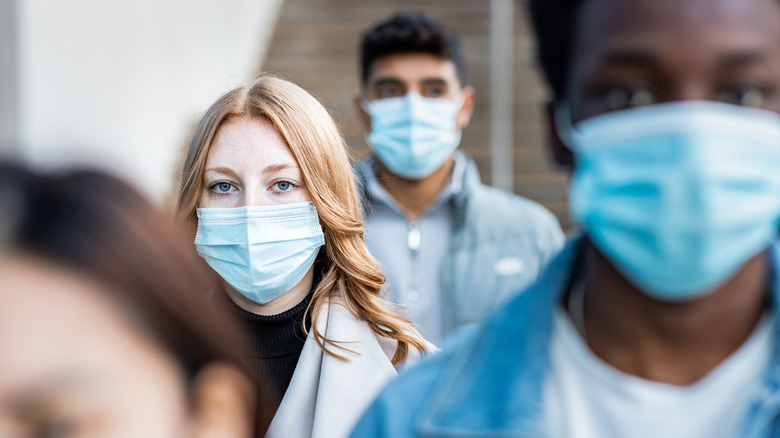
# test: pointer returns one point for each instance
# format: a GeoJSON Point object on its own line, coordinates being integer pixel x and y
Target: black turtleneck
{"type": "Point", "coordinates": [278, 341]}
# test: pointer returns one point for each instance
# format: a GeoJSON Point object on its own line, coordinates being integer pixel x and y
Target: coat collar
{"type": "Point", "coordinates": [326, 395]}
{"type": "Point", "coordinates": [773, 375]}
{"type": "Point", "coordinates": [494, 386]}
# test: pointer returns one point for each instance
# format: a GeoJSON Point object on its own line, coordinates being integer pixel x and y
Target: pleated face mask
{"type": "Point", "coordinates": [413, 135]}
{"type": "Point", "coordinates": [678, 195]}
{"type": "Point", "coordinates": [261, 251]}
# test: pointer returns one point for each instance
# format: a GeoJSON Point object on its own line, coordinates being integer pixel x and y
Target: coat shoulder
{"type": "Point", "coordinates": [495, 214]}
{"type": "Point", "coordinates": [517, 209]}
{"type": "Point", "coordinates": [394, 412]}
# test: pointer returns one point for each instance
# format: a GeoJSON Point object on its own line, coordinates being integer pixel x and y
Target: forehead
{"type": "Point", "coordinates": [55, 320]}
{"type": "Point", "coordinates": [693, 29]}
{"type": "Point", "coordinates": [248, 143]}
{"type": "Point", "coordinates": [413, 68]}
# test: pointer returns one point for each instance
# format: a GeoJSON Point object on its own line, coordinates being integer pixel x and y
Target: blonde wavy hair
{"type": "Point", "coordinates": [349, 271]}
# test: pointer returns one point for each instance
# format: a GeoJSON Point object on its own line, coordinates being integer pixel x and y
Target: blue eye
{"type": "Point", "coordinates": [283, 185]}
{"type": "Point", "coordinates": [222, 187]}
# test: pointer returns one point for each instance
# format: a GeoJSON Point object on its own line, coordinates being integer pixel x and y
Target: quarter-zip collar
{"type": "Point", "coordinates": [464, 179]}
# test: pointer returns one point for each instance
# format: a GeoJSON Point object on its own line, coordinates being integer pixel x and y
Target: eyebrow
{"type": "Point", "coordinates": [434, 81]}
{"type": "Point", "coordinates": [386, 81]}
{"type": "Point", "coordinates": [741, 59]}
{"type": "Point", "coordinates": [277, 167]}
{"type": "Point", "coordinates": [221, 169]}
{"type": "Point", "coordinates": [631, 58]}
{"type": "Point", "coordinates": [269, 169]}
{"type": "Point", "coordinates": [646, 59]}
{"type": "Point", "coordinates": [27, 398]}
{"type": "Point", "coordinates": [393, 81]}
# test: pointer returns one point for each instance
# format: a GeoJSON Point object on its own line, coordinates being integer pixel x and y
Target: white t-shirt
{"type": "Point", "coordinates": [586, 397]}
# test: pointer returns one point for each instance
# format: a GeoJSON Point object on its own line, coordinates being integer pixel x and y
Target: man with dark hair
{"type": "Point", "coordinates": [452, 247]}
{"type": "Point", "coordinates": [660, 321]}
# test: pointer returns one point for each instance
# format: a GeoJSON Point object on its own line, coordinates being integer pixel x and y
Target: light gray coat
{"type": "Point", "coordinates": [500, 243]}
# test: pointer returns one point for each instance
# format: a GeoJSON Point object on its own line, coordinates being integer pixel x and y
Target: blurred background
{"type": "Point", "coordinates": [120, 83]}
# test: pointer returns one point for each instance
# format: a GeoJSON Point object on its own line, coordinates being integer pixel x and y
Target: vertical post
{"type": "Point", "coordinates": [9, 77]}
{"type": "Point", "coordinates": [501, 93]}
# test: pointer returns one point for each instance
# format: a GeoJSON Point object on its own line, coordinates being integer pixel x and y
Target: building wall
{"type": "Point", "coordinates": [315, 44]}
{"type": "Point", "coordinates": [119, 83]}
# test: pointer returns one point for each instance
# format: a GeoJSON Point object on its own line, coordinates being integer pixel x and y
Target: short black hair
{"type": "Point", "coordinates": [411, 32]}
{"type": "Point", "coordinates": [555, 24]}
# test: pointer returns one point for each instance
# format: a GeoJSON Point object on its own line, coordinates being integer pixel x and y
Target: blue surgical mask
{"type": "Point", "coordinates": [680, 195]}
{"type": "Point", "coordinates": [262, 252]}
{"type": "Point", "coordinates": [413, 135]}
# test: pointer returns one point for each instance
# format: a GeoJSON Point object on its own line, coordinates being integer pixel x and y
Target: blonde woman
{"type": "Point", "coordinates": [268, 191]}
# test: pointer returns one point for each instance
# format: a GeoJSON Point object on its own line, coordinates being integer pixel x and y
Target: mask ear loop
{"type": "Point", "coordinates": [365, 104]}
{"type": "Point", "coordinates": [563, 125]}
{"type": "Point", "coordinates": [460, 101]}
{"type": "Point", "coordinates": [458, 105]}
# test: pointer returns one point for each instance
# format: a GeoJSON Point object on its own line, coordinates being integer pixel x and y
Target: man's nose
{"type": "Point", "coordinates": [690, 89]}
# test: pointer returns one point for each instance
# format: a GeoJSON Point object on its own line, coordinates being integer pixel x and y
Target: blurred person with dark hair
{"type": "Point", "coordinates": [105, 326]}
{"type": "Point", "coordinates": [269, 195]}
{"type": "Point", "coordinates": [661, 320]}
{"type": "Point", "coordinates": [452, 247]}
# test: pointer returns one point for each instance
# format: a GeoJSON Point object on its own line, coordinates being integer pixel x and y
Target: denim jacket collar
{"type": "Point", "coordinates": [494, 386]}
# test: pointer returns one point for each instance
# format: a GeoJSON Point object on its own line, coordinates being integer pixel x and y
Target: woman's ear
{"type": "Point", "coordinates": [561, 153]}
{"type": "Point", "coordinates": [223, 403]}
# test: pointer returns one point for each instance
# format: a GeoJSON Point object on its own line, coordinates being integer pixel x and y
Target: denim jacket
{"type": "Point", "coordinates": [500, 244]}
{"type": "Point", "coordinates": [488, 381]}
